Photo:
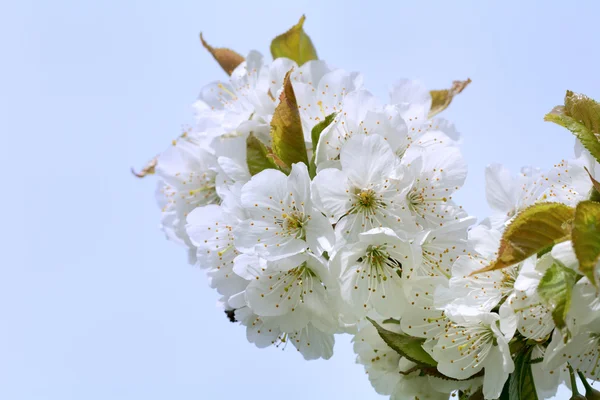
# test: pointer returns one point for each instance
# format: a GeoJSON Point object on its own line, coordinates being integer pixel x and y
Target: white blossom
{"type": "Point", "coordinates": [371, 272]}
{"type": "Point", "coordinates": [481, 291]}
{"type": "Point", "coordinates": [368, 192]}
{"type": "Point", "coordinates": [281, 219]}
{"type": "Point", "coordinates": [473, 342]}
{"type": "Point", "coordinates": [437, 175]}
{"type": "Point", "coordinates": [369, 231]}
{"type": "Point", "coordinates": [187, 172]}
{"type": "Point", "coordinates": [567, 182]}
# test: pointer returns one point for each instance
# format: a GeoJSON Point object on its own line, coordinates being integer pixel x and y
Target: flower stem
{"type": "Point", "coordinates": [573, 381]}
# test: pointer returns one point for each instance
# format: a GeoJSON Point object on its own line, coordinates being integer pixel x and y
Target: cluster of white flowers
{"type": "Point", "coordinates": [371, 240]}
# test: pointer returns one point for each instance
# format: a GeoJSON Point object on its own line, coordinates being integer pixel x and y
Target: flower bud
{"type": "Point", "coordinates": [592, 394]}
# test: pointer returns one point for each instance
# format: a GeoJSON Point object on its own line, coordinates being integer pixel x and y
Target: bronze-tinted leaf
{"type": "Point", "coordinates": [227, 58]}
{"type": "Point", "coordinates": [286, 128]}
{"type": "Point", "coordinates": [441, 99]}
{"type": "Point", "coordinates": [149, 169]}
{"type": "Point", "coordinates": [533, 230]}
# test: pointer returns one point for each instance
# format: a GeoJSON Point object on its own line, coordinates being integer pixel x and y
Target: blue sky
{"type": "Point", "coordinates": [94, 303]}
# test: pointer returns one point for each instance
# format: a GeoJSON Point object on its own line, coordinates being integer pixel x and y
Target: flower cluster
{"type": "Point", "coordinates": [316, 210]}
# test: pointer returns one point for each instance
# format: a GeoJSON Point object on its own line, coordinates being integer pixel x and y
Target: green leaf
{"type": "Point", "coordinates": [586, 238]}
{"type": "Point", "coordinates": [441, 99]}
{"type": "Point", "coordinates": [595, 193]}
{"type": "Point", "coordinates": [227, 58]}
{"type": "Point", "coordinates": [521, 384]}
{"type": "Point", "coordinates": [315, 135]}
{"type": "Point", "coordinates": [585, 136]}
{"type": "Point", "coordinates": [555, 289]}
{"type": "Point", "coordinates": [595, 183]}
{"type": "Point", "coordinates": [533, 230]}
{"type": "Point", "coordinates": [505, 392]}
{"type": "Point", "coordinates": [294, 44]}
{"type": "Point", "coordinates": [408, 347]}
{"type": "Point", "coordinates": [286, 128]}
{"type": "Point", "coordinates": [580, 115]}
{"type": "Point", "coordinates": [584, 110]}
{"type": "Point", "coordinates": [258, 155]}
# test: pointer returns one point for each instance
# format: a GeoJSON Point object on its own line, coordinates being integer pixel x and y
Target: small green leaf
{"type": "Point", "coordinates": [441, 99]}
{"type": "Point", "coordinates": [408, 347]}
{"type": "Point", "coordinates": [521, 384]}
{"type": "Point", "coordinates": [315, 135]}
{"type": "Point", "coordinates": [533, 230]}
{"type": "Point", "coordinates": [294, 44]}
{"type": "Point", "coordinates": [580, 115]}
{"type": "Point", "coordinates": [555, 289]}
{"type": "Point", "coordinates": [286, 128]}
{"type": "Point", "coordinates": [586, 238]}
{"type": "Point", "coordinates": [227, 59]}
{"type": "Point", "coordinates": [258, 158]}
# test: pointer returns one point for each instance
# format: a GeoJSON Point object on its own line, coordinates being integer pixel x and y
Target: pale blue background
{"type": "Point", "coordinates": [94, 303]}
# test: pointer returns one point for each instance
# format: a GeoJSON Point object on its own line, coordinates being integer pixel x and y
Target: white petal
{"type": "Point", "coordinates": [330, 193]}
{"type": "Point", "coordinates": [414, 96]}
{"type": "Point", "coordinates": [298, 183]}
{"type": "Point", "coordinates": [320, 236]}
{"type": "Point", "coordinates": [508, 318]}
{"type": "Point", "coordinates": [367, 159]}
{"type": "Point", "coordinates": [496, 373]}
{"type": "Point", "coordinates": [264, 190]}
{"type": "Point", "coordinates": [274, 293]}
{"type": "Point", "coordinates": [564, 253]}
{"type": "Point", "coordinates": [313, 344]}
{"type": "Point", "coordinates": [248, 266]}
{"type": "Point", "coordinates": [485, 240]}
{"type": "Point", "coordinates": [277, 70]}
{"type": "Point", "coordinates": [500, 188]}
{"type": "Point", "coordinates": [263, 238]}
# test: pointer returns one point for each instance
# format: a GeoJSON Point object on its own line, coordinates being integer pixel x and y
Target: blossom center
{"type": "Point", "coordinates": [378, 259]}
{"type": "Point", "coordinates": [509, 276]}
{"type": "Point", "coordinates": [418, 200]}
{"type": "Point", "coordinates": [293, 224]}
{"type": "Point", "coordinates": [303, 277]}
{"type": "Point", "coordinates": [366, 201]}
